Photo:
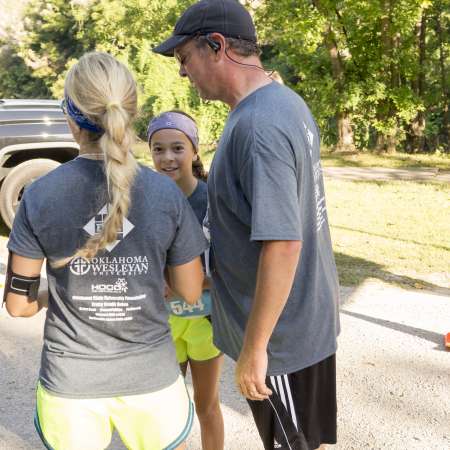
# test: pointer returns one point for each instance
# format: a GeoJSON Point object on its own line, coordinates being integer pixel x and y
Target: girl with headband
{"type": "Point", "coordinates": [173, 141]}
{"type": "Point", "coordinates": [108, 229]}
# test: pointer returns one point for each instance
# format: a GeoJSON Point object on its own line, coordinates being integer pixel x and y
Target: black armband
{"type": "Point", "coordinates": [21, 284]}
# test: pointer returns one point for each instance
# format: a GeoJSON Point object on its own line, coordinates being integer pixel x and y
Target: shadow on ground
{"type": "Point", "coordinates": [435, 338]}
{"type": "Point", "coordinates": [353, 271]}
{"type": "Point", "coordinates": [384, 236]}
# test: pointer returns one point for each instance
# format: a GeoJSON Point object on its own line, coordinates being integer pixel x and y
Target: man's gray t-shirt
{"type": "Point", "coordinates": [266, 184]}
{"type": "Point", "coordinates": [106, 331]}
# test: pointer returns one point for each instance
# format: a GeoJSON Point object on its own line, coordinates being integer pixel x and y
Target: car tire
{"type": "Point", "coordinates": [15, 182]}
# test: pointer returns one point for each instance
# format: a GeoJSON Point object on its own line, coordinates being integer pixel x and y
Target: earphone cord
{"type": "Point", "coordinates": [248, 65]}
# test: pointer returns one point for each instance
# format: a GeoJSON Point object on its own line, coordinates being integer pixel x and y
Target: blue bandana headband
{"type": "Point", "coordinates": [174, 121]}
{"type": "Point", "coordinates": [81, 120]}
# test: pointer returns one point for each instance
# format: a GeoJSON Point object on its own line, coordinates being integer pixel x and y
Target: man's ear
{"type": "Point", "coordinates": [216, 42]}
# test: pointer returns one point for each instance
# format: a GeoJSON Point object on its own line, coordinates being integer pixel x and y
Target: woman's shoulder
{"type": "Point", "coordinates": [149, 176]}
{"type": "Point", "coordinates": [156, 186]}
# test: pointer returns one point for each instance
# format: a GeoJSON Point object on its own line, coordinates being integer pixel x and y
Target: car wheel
{"type": "Point", "coordinates": [14, 184]}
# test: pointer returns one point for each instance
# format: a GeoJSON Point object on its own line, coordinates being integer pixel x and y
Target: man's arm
{"type": "Point", "coordinates": [21, 305]}
{"type": "Point", "coordinates": [276, 270]}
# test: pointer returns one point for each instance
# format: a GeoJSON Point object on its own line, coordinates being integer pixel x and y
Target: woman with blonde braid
{"type": "Point", "coordinates": [111, 232]}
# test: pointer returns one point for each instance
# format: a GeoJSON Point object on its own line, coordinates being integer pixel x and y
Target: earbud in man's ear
{"type": "Point", "coordinates": [215, 46]}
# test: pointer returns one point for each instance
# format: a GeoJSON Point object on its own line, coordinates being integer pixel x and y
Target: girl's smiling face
{"type": "Point", "coordinates": [172, 153]}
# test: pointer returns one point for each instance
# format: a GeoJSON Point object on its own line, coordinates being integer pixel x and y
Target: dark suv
{"type": "Point", "coordinates": [34, 139]}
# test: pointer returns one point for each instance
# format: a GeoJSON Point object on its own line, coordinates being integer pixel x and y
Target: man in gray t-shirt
{"type": "Point", "coordinates": [275, 308]}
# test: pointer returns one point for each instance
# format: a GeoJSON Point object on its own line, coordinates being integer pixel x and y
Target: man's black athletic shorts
{"type": "Point", "coordinates": [301, 412]}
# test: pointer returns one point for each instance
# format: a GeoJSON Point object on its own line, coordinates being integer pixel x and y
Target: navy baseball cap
{"type": "Point", "coordinates": [227, 17]}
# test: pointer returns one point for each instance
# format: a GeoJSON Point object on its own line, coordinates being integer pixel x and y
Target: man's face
{"type": "Point", "coordinates": [197, 64]}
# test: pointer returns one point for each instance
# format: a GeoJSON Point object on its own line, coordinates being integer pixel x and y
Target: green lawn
{"type": "Point", "coordinates": [330, 159]}
{"type": "Point", "coordinates": [395, 231]}
{"type": "Point", "coordinates": [396, 161]}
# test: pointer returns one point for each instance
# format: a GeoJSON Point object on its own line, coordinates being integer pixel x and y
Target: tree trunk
{"type": "Point", "coordinates": [387, 143]}
{"type": "Point", "coordinates": [345, 132]}
{"type": "Point", "coordinates": [387, 140]}
{"type": "Point", "coordinates": [445, 130]}
{"type": "Point", "coordinates": [344, 124]}
{"type": "Point", "coordinates": [416, 135]}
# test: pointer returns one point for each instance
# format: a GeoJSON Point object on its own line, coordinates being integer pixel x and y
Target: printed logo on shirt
{"type": "Point", "coordinates": [111, 265]}
{"type": "Point", "coordinates": [309, 136]}
{"type": "Point", "coordinates": [121, 285]}
{"type": "Point", "coordinates": [321, 209]}
{"type": "Point", "coordinates": [276, 444]}
{"type": "Point", "coordinates": [95, 225]}
{"type": "Point", "coordinates": [80, 266]}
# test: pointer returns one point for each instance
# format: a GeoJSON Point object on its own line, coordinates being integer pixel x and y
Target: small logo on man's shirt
{"type": "Point", "coordinates": [276, 444]}
{"type": "Point", "coordinates": [95, 225]}
{"type": "Point", "coordinates": [309, 136]}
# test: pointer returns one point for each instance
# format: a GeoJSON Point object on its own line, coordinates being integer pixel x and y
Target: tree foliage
{"type": "Point", "coordinates": [58, 32]}
{"type": "Point", "coordinates": [374, 72]}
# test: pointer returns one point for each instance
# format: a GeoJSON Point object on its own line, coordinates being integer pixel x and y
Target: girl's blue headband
{"type": "Point", "coordinates": [68, 107]}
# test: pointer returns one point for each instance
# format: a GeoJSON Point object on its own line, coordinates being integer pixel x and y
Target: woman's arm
{"type": "Point", "coordinates": [19, 305]}
{"type": "Point", "coordinates": [186, 280]}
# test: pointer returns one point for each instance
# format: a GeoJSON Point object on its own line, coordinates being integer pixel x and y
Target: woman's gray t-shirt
{"type": "Point", "coordinates": [106, 331]}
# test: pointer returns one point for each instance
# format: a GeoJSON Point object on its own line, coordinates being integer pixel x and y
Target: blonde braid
{"type": "Point", "coordinates": [105, 91]}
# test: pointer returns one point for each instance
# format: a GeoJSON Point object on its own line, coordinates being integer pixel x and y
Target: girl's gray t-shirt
{"type": "Point", "coordinates": [106, 332]}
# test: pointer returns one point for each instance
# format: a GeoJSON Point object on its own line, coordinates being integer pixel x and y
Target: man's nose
{"type": "Point", "coordinates": [182, 71]}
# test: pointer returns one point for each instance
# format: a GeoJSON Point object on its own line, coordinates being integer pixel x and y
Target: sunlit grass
{"type": "Point", "coordinates": [397, 231]}
{"type": "Point", "coordinates": [397, 160]}
{"type": "Point", "coordinates": [389, 229]}
{"type": "Point", "coordinates": [330, 159]}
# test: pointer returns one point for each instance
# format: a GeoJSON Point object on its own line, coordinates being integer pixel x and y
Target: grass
{"type": "Point", "coordinates": [397, 160]}
{"type": "Point", "coordinates": [395, 231]}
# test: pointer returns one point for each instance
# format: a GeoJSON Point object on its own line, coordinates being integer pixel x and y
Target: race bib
{"type": "Point", "coordinates": [178, 307]}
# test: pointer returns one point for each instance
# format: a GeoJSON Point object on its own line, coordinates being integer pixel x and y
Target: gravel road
{"type": "Point", "coordinates": [393, 375]}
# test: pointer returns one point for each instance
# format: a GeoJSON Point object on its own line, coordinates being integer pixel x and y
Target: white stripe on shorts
{"type": "Point", "coordinates": [281, 390]}
{"type": "Point", "coordinates": [290, 401]}
{"type": "Point", "coordinates": [272, 380]}
{"type": "Point", "coordinates": [284, 392]}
